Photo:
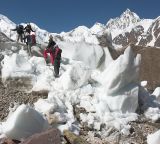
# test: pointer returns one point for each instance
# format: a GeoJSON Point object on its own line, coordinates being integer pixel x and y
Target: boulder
{"type": "Point", "coordinates": [51, 136]}
{"type": "Point", "coordinates": [8, 141]}
{"type": "Point", "coordinates": [71, 138]}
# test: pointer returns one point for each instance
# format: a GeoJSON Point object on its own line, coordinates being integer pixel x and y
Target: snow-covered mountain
{"type": "Point", "coordinates": [123, 30]}
{"type": "Point", "coordinates": [129, 28]}
{"type": "Point", "coordinates": [80, 34]}
{"type": "Point", "coordinates": [127, 19]}
{"type": "Point", "coordinates": [152, 36]}
{"type": "Point", "coordinates": [97, 28]}
{"type": "Point", "coordinates": [132, 34]}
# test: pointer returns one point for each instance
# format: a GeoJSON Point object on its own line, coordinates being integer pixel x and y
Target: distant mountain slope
{"type": "Point", "coordinates": [123, 30]}
{"type": "Point", "coordinates": [133, 34]}
{"type": "Point", "coordinates": [4, 38]}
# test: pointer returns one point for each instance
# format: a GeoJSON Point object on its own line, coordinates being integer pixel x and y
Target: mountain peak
{"type": "Point", "coordinates": [127, 11]}
{"type": "Point", "coordinates": [130, 14]}
{"type": "Point", "coordinates": [126, 19]}
{"type": "Point", "coordinates": [97, 27]}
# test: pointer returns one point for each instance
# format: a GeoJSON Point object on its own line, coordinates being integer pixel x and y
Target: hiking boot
{"type": "Point", "coordinates": [56, 75]}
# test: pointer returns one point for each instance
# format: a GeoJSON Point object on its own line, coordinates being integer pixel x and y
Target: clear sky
{"type": "Point", "coordinates": [65, 15]}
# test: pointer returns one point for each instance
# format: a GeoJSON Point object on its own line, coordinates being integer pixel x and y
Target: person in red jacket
{"type": "Point", "coordinates": [55, 55]}
{"type": "Point", "coordinates": [57, 60]}
{"type": "Point", "coordinates": [49, 49]}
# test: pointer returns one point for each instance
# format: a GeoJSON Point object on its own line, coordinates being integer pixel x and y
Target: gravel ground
{"type": "Point", "coordinates": [9, 95]}
{"type": "Point", "coordinates": [139, 131]}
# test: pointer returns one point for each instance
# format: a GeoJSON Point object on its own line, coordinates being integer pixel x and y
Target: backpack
{"type": "Point", "coordinates": [20, 29]}
{"type": "Point", "coordinates": [33, 39]}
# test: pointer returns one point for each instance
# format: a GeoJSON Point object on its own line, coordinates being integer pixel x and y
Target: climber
{"type": "Point", "coordinates": [49, 49]}
{"type": "Point", "coordinates": [28, 28]}
{"type": "Point", "coordinates": [20, 31]}
{"type": "Point", "coordinates": [55, 55]}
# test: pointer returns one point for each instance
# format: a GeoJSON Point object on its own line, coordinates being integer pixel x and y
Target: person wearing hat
{"type": "Point", "coordinates": [28, 28]}
{"type": "Point", "coordinates": [50, 49]}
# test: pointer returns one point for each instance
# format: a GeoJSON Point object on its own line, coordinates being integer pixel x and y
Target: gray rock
{"type": "Point", "coordinates": [51, 136]}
